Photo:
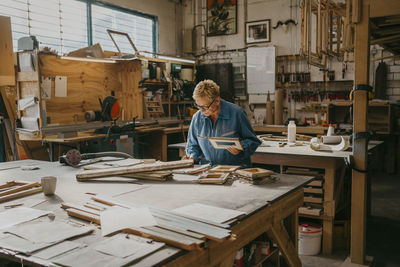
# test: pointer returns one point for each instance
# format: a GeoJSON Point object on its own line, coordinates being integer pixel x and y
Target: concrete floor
{"type": "Point", "coordinates": [383, 226]}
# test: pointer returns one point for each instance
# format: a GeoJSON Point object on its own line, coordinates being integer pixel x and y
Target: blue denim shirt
{"type": "Point", "coordinates": [231, 122]}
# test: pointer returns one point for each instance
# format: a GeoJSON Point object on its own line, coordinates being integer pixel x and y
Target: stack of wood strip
{"type": "Point", "coordinates": [181, 231]}
{"type": "Point", "coordinates": [313, 191]}
{"type": "Point", "coordinates": [16, 189]}
{"type": "Point", "coordinates": [141, 170]}
{"type": "Point", "coordinates": [255, 176]}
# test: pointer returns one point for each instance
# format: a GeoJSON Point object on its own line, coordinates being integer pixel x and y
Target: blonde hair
{"type": "Point", "coordinates": [206, 88]}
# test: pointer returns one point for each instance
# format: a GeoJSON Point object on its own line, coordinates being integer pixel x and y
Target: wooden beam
{"type": "Point", "coordinates": [359, 181]}
{"type": "Point", "coordinates": [134, 169]}
{"type": "Point", "coordinates": [387, 39]}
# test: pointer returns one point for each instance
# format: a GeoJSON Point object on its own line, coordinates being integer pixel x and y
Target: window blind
{"type": "Point", "coordinates": [62, 25]}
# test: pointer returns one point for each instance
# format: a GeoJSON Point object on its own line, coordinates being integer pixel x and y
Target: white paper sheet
{"type": "Point", "coordinates": [116, 219]}
{"type": "Point", "coordinates": [60, 86]}
{"type": "Point", "coordinates": [30, 123]}
{"type": "Point", "coordinates": [26, 102]}
{"type": "Point", "coordinates": [58, 249]}
{"type": "Point", "coordinates": [46, 88]}
{"type": "Point", "coordinates": [26, 62]}
{"type": "Point", "coordinates": [55, 231]}
{"type": "Point", "coordinates": [123, 245]}
{"type": "Point", "coordinates": [19, 215]}
{"type": "Point", "coordinates": [210, 213]}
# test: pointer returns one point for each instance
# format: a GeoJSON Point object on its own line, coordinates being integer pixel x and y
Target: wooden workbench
{"type": "Point", "coordinates": [267, 206]}
{"type": "Point", "coordinates": [332, 163]}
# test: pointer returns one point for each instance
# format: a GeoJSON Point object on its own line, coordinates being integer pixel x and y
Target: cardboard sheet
{"type": "Point", "coordinates": [127, 218]}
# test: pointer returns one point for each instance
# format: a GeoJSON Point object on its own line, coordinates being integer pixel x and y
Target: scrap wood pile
{"type": "Point", "coordinates": [256, 176]}
{"type": "Point", "coordinates": [220, 174]}
{"type": "Point", "coordinates": [151, 171]}
{"type": "Point", "coordinates": [182, 231]}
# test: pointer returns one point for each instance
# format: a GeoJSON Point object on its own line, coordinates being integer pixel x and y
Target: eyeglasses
{"type": "Point", "coordinates": [205, 107]}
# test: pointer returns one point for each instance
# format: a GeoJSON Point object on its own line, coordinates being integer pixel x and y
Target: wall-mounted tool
{"type": "Point", "coordinates": [109, 110]}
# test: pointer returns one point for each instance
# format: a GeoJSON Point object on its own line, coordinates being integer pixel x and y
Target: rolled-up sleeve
{"type": "Point", "coordinates": [192, 146]}
{"type": "Point", "coordinates": [250, 141]}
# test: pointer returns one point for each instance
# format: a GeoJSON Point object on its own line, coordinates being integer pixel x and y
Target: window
{"type": "Point", "coordinates": [62, 25]}
{"type": "Point", "coordinates": [139, 28]}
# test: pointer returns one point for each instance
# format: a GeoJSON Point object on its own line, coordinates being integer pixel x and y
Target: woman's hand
{"type": "Point", "coordinates": [187, 157]}
{"type": "Point", "coordinates": [233, 150]}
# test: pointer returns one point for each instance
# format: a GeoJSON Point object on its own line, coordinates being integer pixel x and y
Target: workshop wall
{"type": "Point", "coordinates": [393, 71]}
{"type": "Point", "coordinates": [169, 21]}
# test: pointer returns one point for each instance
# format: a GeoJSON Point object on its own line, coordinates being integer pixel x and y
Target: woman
{"type": "Point", "coordinates": [218, 118]}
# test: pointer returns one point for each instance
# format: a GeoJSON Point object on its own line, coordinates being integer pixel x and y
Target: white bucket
{"type": "Point", "coordinates": [309, 239]}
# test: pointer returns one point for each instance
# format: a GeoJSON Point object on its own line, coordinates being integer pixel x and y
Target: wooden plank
{"type": "Point", "coordinates": [7, 75]}
{"type": "Point", "coordinates": [359, 181]}
{"type": "Point", "coordinates": [316, 183]}
{"type": "Point", "coordinates": [79, 207]}
{"type": "Point", "coordinates": [19, 189]}
{"type": "Point", "coordinates": [83, 215]}
{"type": "Point", "coordinates": [134, 169]}
{"type": "Point", "coordinates": [181, 243]}
{"type": "Point", "coordinates": [309, 211]}
{"type": "Point", "coordinates": [313, 199]}
{"type": "Point", "coordinates": [20, 194]}
{"type": "Point", "coordinates": [313, 190]}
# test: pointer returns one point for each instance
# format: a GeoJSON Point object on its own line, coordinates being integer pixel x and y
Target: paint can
{"type": "Point", "coordinates": [310, 236]}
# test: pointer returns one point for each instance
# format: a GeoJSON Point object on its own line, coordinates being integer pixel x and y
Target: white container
{"type": "Point", "coordinates": [310, 239]}
{"type": "Point", "coordinates": [291, 132]}
{"type": "Point", "coordinates": [331, 130]}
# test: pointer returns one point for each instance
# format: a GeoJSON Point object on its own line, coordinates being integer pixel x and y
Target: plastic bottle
{"type": "Point", "coordinates": [331, 130]}
{"type": "Point", "coordinates": [291, 132]}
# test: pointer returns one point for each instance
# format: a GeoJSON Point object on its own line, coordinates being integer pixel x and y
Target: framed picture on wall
{"type": "Point", "coordinates": [258, 31]}
{"type": "Point", "coordinates": [221, 17]}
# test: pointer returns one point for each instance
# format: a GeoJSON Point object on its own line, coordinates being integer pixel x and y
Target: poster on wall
{"type": "Point", "coordinates": [258, 31]}
{"type": "Point", "coordinates": [221, 17]}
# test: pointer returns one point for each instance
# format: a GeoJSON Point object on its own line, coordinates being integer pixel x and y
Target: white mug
{"type": "Point", "coordinates": [49, 185]}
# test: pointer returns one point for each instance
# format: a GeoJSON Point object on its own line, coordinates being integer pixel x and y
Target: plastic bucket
{"type": "Point", "coordinates": [310, 239]}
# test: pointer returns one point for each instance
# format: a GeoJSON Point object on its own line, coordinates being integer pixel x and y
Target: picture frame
{"type": "Point", "coordinates": [225, 142]}
{"type": "Point", "coordinates": [258, 31]}
{"type": "Point", "coordinates": [221, 17]}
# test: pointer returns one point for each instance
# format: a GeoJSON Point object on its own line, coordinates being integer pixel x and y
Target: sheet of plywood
{"type": "Point", "coordinates": [7, 75]}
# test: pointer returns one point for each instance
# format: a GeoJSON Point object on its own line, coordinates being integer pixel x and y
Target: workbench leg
{"type": "Point", "coordinates": [292, 225]}
{"type": "Point", "coordinates": [329, 210]}
{"type": "Point", "coordinates": [279, 233]}
{"type": "Point", "coordinates": [51, 151]}
{"type": "Point", "coordinates": [164, 147]}
{"type": "Point", "coordinates": [228, 262]}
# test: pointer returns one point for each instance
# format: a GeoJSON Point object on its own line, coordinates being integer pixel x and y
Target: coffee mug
{"type": "Point", "coordinates": [49, 185]}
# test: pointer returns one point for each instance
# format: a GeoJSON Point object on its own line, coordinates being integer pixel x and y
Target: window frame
{"type": "Point", "coordinates": [125, 10]}
{"type": "Point", "coordinates": [89, 26]}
